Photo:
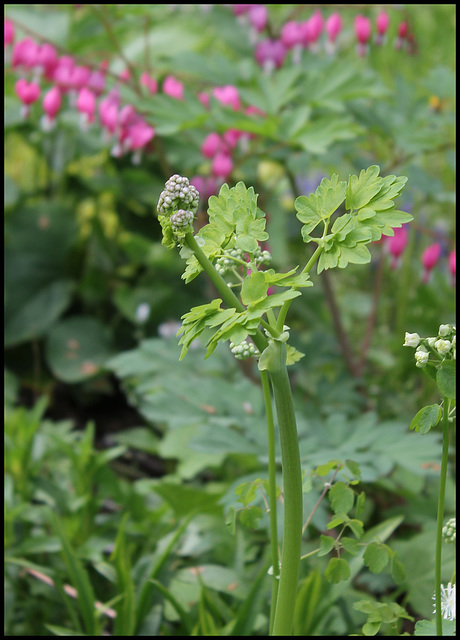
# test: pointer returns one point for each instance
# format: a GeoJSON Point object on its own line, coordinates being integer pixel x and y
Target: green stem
{"type": "Point", "coordinates": [224, 290]}
{"type": "Point", "coordinates": [440, 517]}
{"type": "Point", "coordinates": [271, 491]}
{"type": "Point", "coordinates": [308, 267]}
{"type": "Point", "coordinates": [292, 491]}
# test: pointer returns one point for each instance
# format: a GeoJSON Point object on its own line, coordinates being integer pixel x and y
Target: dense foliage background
{"type": "Point", "coordinates": [120, 462]}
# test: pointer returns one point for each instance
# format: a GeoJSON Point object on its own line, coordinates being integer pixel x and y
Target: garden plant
{"type": "Point", "coordinates": [229, 437]}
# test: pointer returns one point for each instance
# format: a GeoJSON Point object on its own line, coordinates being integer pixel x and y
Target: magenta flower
{"type": "Point", "coordinates": [315, 26]}
{"type": "Point", "coordinates": [291, 34]}
{"type": "Point", "coordinates": [403, 32]}
{"type": "Point", "coordinates": [258, 16]}
{"type": "Point", "coordinates": [86, 105]}
{"type": "Point", "coordinates": [211, 145]}
{"type": "Point", "coordinates": [396, 245]}
{"type": "Point", "coordinates": [363, 31]}
{"type": "Point", "coordinates": [8, 37]}
{"type": "Point", "coordinates": [149, 83]}
{"type": "Point", "coordinates": [51, 105]}
{"type": "Point", "coordinates": [173, 88]}
{"type": "Point", "coordinates": [429, 259]}
{"type": "Point", "coordinates": [334, 26]}
{"type": "Point", "coordinates": [382, 23]}
{"type": "Point", "coordinates": [270, 54]}
{"type": "Point", "coordinates": [452, 263]}
{"type": "Point", "coordinates": [108, 112]}
{"type": "Point", "coordinates": [28, 93]}
{"type": "Point", "coordinates": [25, 53]}
{"type": "Point", "coordinates": [46, 60]}
{"type": "Point", "coordinates": [222, 165]}
{"type": "Point", "coordinates": [96, 82]}
{"type": "Point", "coordinates": [139, 134]}
{"type": "Point", "coordinates": [227, 95]}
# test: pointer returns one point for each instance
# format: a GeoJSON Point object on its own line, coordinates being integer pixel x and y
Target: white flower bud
{"type": "Point", "coordinates": [411, 340]}
{"type": "Point", "coordinates": [421, 357]}
{"type": "Point", "coordinates": [443, 346]}
{"type": "Point", "coordinates": [444, 329]}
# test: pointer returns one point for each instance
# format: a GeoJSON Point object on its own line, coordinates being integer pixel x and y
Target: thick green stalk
{"type": "Point", "coordinates": [271, 491]}
{"type": "Point", "coordinates": [292, 491]}
{"type": "Point", "coordinates": [440, 517]}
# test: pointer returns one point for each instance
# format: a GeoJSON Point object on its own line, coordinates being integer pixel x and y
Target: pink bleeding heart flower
{"type": "Point", "coordinates": [430, 257]}
{"type": "Point", "coordinates": [46, 60]}
{"type": "Point", "coordinates": [334, 26]}
{"type": "Point", "coordinates": [452, 264]}
{"type": "Point", "coordinates": [8, 37]}
{"type": "Point", "coordinates": [270, 54]}
{"type": "Point", "coordinates": [51, 105]}
{"type": "Point", "coordinates": [138, 136]}
{"type": "Point", "coordinates": [24, 54]}
{"type": "Point", "coordinates": [227, 95]}
{"type": "Point", "coordinates": [211, 145]}
{"type": "Point", "coordinates": [149, 83]}
{"type": "Point", "coordinates": [96, 82]}
{"type": "Point", "coordinates": [173, 88]}
{"type": "Point", "coordinates": [382, 23]}
{"type": "Point", "coordinates": [291, 34]}
{"type": "Point", "coordinates": [315, 26]}
{"type": "Point", "coordinates": [403, 32]}
{"type": "Point", "coordinates": [28, 93]}
{"type": "Point", "coordinates": [222, 165]}
{"type": "Point", "coordinates": [396, 245]}
{"type": "Point", "coordinates": [86, 105]}
{"type": "Point", "coordinates": [363, 30]}
{"type": "Point", "coordinates": [258, 17]}
{"type": "Point", "coordinates": [108, 112]}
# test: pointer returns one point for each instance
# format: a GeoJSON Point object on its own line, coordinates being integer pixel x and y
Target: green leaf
{"type": "Point", "coordinates": [78, 348]}
{"type": "Point", "coordinates": [376, 557]}
{"type": "Point", "coordinates": [427, 418]}
{"type": "Point", "coordinates": [446, 379]}
{"type": "Point", "coordinates": [362, 189]}
{"type": "Point", "coordinates": [254, 288]}
{"type": "Point", "coordinates": [322, 204]}
{"type": "Point", "coordinates": [428, 628]}
{"type": "Point", "coordinates": [341, 498]}
{"type": "Point", "coordinates": [337, 570]}
{"type": "Point", "coordinates": [326, 545]}
{"type": "Point", "coordinates": [398, 571]}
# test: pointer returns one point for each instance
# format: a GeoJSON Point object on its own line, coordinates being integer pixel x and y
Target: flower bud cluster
{"type": "Point", "coordinates": [181, 220]}
{"type": "Point", "coordinates": [243, 350]}
{"type": "Point", "coordinates": [442, 346]}
{"type": "Point", "coordinates": [227, 261]}
{"type": "Point", "coordinates": [177, 194]}
{"type": "Point", "coordinates": [449, 530]}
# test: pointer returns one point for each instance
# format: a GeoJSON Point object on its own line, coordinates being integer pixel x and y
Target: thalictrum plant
{"type": "Point", "coordinates": [341, 218]}
{"type": "Point", "coordinates": [436, 355]}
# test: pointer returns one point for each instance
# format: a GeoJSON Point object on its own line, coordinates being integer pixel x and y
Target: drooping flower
{"type": "Point", "coordinates": [452, 266]}
{"type": "Point", "coordinates": [363, 30]}
{"type": "Point", "coordinates": [227, 95]}
{"type": "Point", "coordinates": [8, 37]}
{"type": "Point", "coordinates": [396, 245]}
{"type": "Point", "coordinates": [333, 26]}
{"type": "Point", "coordinates": [28, 93]}
{"type": "Point", "coordinates": [51, 105]}
{"type": "Point", "coordinates": [173, 87]}
{"type": "Point", "coordinates": [429, 259]}
{"type": "Point", "coordinates": [382, 23]}
{"type": "Point", "coordinates": [270, 54]}
{"type": "Point", "coordinates": [222, 165]}
{"type": "Point", "coordinates": [86, 105]}
{"type": "Point", "coordinates": [149, 83]}
{"type": "Point", "coordinates": [211, 145]}
{"type": "Point", "coordinates": [411, 339]}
